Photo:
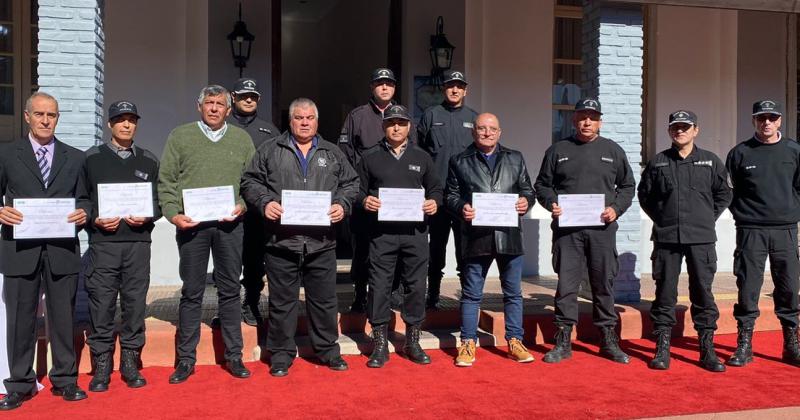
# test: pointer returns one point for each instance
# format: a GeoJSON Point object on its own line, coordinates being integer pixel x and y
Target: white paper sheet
{"type": "Point", "coordinates": [581, 209]}
{"type": "Point", "coordinates": [207, 204]}
{"type": "Point", "coordinates": [401, 204]}
{"type": "Point", "coordinates": [495, 209]}
{"type": "Point", "coordinates": [125, 199]}
{"type": "Point", "coordinates": [306, 208]}
{"type": "Point", "coordinates": [44, 218]}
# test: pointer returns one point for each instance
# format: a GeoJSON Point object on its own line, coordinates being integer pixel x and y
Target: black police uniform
{"type": "Point", "coordinates": [397, 247]}
{"type": "Point", "coordinates": [253, 238]}
{"type": "Point", "coordinates": [119, 261]}
{"type": "Point", "coordinates": [766, 208]}
{"type": "Point", "coordinates": [444, 131]}
{"type": "Point", "coordinates": [362, 129]}
{"type": "Point", "coordinates": [684, 197]}
{"type": "Point", "coordinates": [571, 166]}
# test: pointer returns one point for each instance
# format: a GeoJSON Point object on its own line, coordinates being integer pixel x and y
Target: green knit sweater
{"type": "Point", "coordinates": [191, 160]}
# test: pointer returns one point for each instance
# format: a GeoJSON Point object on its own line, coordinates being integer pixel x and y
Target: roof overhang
{"type": "Point", "coordinates": [790, 6]}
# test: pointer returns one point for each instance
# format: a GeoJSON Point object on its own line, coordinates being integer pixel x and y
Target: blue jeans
{"type": "Point", "coordinates": [475, 270]}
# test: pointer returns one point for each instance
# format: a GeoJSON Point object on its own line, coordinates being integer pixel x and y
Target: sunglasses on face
{"type": "Point", "coordinates": [765, 117]}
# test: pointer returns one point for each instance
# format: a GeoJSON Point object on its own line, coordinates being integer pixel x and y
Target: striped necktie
{"type": "Point", "coordinates": [43, 165]}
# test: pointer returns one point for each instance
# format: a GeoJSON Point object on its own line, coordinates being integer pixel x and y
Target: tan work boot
{"type": "Point", "coordinates": [466, 354]}
{"type": "Point", "coordinates": [517, 351]}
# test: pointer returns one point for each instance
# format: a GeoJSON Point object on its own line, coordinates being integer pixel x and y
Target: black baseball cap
{"type": "Point", "coordinates": [396, 111]}
{"type": "Point", "coordinates": [122, 107]}
{"type": "Point", "coordinates": [246, 85]}
{"type": "Point", "coordinates": [382, 74]}
{"type": "Point", "coordinates": [454, 76]}
{"type": "Point", "coordinates": [766, 106]}
{"type": "Point", "coordinates": [683, 116]}
{"type": "Point", "coordinates": [588, 104]}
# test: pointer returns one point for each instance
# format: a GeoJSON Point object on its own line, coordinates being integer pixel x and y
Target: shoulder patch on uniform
{"type": "Point", "coordinates": [468, 124]}
{"type": "Point", "coordinates": [415, 168]}
{"type": "Point", "coordinates": [437, 124]}
{"type": "Point", "coordinates": [660, 164]}
{"type": "Point", "coordinates": [343, 138]}
{"type": "Point", "coordinates": [704, 163]}
{"type": "Point", "coordinates": [606, 159]}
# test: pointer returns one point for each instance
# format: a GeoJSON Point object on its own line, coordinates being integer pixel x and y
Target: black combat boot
{"type": "Point", "coordinates": [708, 357]}
{"type": "Point", "coordinates": [129, 368]}
{"type": "Point", "coordinates": [609, 346]}
{"type": "Point", "coordinates": [412, 349]}
{"type": "Point", "coordinates": [744, 348]}
{"type": "Point", "coordinates": [661, 359]}
{"type": "Point", "coordinates": [103, 365]}
{"type": "Point", "coordinates": [251, 314]}
{"type": "Point", "coordinates": [380, 353]}
{"type": "Point", "coordinates": [563, 347]}
{"type": "Point", "coordinates": [791, 349]}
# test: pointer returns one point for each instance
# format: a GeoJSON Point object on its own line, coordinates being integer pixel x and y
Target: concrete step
{"type": "Point", "coordinates": [439, 331]}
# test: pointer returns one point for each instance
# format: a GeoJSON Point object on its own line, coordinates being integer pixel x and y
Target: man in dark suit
{"type": "Point", "coordinates": [40, 166]}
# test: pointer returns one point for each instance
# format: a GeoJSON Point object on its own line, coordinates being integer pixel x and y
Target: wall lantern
{"type": "Point", "coordinates": [241, 41]}
{"type": "Point", "coordinates": [441, 51]}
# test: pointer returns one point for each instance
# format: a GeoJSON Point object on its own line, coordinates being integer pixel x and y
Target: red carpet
{"type": "Point", "coordinates": [584, 387]}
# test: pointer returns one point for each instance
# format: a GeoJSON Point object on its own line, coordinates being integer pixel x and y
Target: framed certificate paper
{"type": "Point", "coordinates": [494, 209]}
{"type": "Point", "coordinates": [581, 209]}
{"type": "Point", "coordinates": [306, 208]}
{"type": "Point", "coordinates": [207, 204]}
{"type": "Point", "coordinates": [401, 204]}
{"type": "Point", "coordinates": [44, 218]}
{"type": "Point", "coordinates": [125, 199]}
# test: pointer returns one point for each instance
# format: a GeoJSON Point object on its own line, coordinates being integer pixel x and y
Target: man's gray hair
{"type": "Point", "coordinates": [214, 90]}
{"type": "Point", "coordinates": [39, 94]}
{"type": "Point", "coordinates": [303, 103]}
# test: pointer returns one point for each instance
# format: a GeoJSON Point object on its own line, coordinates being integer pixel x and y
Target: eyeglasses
{"type": "Point", "coordinates": [764, 117]}
{"type": "Point", "coordinates": [490, 130]}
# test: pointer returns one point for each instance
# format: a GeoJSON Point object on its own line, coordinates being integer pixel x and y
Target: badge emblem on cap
{"type": "Point", "coordinates": [591, 103]}
{"type": "Point", "coordinates": [383, 73]}
{"type": "Point", "coordinates": [249, 84]}
{"type": "Point", "coordinates": [457, 75]}
{"type": "Point", "coordinates": [681, 114]}
{"type": "Point", "coordinates": [767, 104]}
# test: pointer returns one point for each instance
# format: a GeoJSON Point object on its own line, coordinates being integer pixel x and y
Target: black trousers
{"type": "Point", "coordinates": [286, 272]}
{"type": "Point", "coordinates": [573, 252]}
{"type": "Point", "coordinates": [359, 265]}
{"type": "Point", "coordinates": [701, 263]}
{"type": "Point", "coordinates": [440, 225]}
{"type": "Point", "coordinates": [117, 269]}
{"type": "Point", "coordinates": [253, 249]}
{"type": "Point", "coordinates": [753, 247]}
{"type": "Point", "coordinates": [224, 242]}
{"type": "Point", "coordinates": [403, 255]}
{"type": "Point", "coordinates": [22, 294]}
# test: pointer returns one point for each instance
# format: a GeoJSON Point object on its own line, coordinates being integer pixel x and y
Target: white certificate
{"type": "Point", "coordinates": [206, 204]}
{"type": "Point", "coordinates": [125, 199]}
{"type": "Point", "coordinates": [401, 204]}
{"type": "Point", "coordinates": [44, 218]}
{"type": "Point", "coordinates": [307, 208]}
{"type": "Point", "coordinates": [581, 209]}
{"type": "Point", "coordinates": [494, 209]}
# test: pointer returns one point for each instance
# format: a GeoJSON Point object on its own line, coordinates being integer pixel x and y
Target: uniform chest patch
{"type": "Point", "coordinates": [322, 162]}
{"type": "Point", "coordinates": [415, 168]}
{"type": "Point", "coordinates": [750, 167]}
{"type": "Point", "coordinates": [606, 159]}
{"type": "Point", "coordinates": [703, 163]}
{"type": "Point", "coordinates": [468, 124]}
{"type": "Point", "coordinates": [436, 124]}
{"type": "Point", "coordinates": [141, 175]}
{"type": "Point", "coordinates": [661, 164]}
{"type": "Point", "coordinates": [562, 159]}
{"type": "Point", "coordinates": [265, 130]}
{"type": "Point", "coordinates": [343, 138]}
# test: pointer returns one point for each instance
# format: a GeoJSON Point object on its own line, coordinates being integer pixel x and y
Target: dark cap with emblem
{"type": "Point", "coordinates": [396, 112]}
{"type": "Point", "coordinates": [454, 76]}
{"type": "Point", "coordinates": [122, 107]}
{"type": "Point", "coordinates": [683, 116]}
{"type": "Point", "coordinates": [588, 104]}
{"type": "Point", "coordinates": [246, 85]}
{"type": "Point", "coordinates": [766, 106]}
{"type": "Point", "coordinates": [383, 74]}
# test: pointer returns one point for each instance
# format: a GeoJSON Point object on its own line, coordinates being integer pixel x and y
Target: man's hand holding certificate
{"type": "Point", "coordinates": [575, 210]}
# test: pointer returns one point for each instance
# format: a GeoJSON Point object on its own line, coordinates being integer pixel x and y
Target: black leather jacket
{"type": "Point", "coordinates": [468, 173]}
{"type": "Point", "coordinates": [276, 167]}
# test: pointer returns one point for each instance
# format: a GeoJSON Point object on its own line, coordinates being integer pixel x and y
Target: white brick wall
{"type": "Point", "coordinates": [71, 52]}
